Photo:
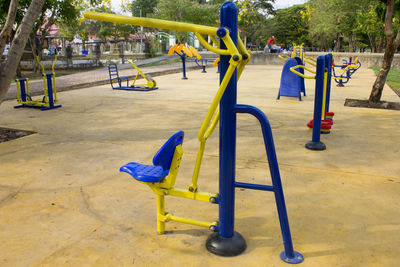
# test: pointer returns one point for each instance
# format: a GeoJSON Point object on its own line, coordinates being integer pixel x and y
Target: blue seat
{"type": "Point", "coordinates": [161, 162]}
{"type": "Point", "coordinates": [113, 73]}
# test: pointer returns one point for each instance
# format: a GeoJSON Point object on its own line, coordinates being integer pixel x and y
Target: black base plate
{"type": "Point", "coordinates": [226, 247]}
{"type": "Point", "coordinates": [315, 145]}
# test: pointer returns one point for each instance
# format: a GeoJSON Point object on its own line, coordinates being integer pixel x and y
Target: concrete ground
{"type": "Point", "coordinates": [63, 201]}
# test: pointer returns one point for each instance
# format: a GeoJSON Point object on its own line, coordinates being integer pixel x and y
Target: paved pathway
{"type": "Point", "coordinates": [100, 76]}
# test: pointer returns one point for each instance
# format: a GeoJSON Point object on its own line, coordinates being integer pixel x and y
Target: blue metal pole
{"type": "Point", "coordinates": [289, 255]}
{"type": "Point", "coordinates": [183, 57]}
{"type": "Point", "coordinates": [50, 89]}
{"type": "Point", "coordinates": [315, 143]}
{"type": "Point", "coordinates": [22, 88]}
{"type": "Point", "coordinates": [227, 242]}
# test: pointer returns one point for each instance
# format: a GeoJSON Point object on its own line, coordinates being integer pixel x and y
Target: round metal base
{"type": "Point", "coordinates": [296, 259]}
{"type": "Point", "coordinates": [226, 247]}
{"type": "Point", "coordinates": [315, 145]}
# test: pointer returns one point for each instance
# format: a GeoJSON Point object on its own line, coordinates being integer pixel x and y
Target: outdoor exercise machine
{"type": "Point", "coordinates": [160, 176]}
{"type": "Point", "coordinates": [323, 119]}
{"type": "Point", "coordinates": [49, 100]}
{"type": "Point", "coordinates": [114, 77]}
{"type": "Point", "coordinates": [183, 52]}
{"type": "Point", "coordinates": [201, 62]}
{"type": "Point", "coordinates": [293, 85]}
{"type": "Point", "coordinates": [346, 71]}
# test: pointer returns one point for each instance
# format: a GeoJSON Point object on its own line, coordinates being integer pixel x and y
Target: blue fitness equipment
{"type": "Point", "coordinates": [320, 124]}
{"type": "Point", "coordinates": [322, 121]}
{"type": "Point", "coordinates": [347, 69]}
{"type": "Point", "coordinates": [119, 80]}
{"type": "Point", "coordinates": [183, 52]}
{"type": "Point", "coordinates": [225, 241]}
{"type": "Point", "coordinates": [292, 85]}
{"type": "Point", "coordinates": [202, 63]}
{"type": "Point", "coordinates": [49, 100]}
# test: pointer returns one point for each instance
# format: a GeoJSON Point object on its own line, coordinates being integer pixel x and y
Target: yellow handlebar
{"type": "Point", "coordinates": [292, 69]}
{"type": "Point", "coordinates": [283, 57]}
{"type": "Point", "coordinates": [54, 64]}
{"type": "Point", "coordinates": [40, 63]}
{"type": "Point", "coordinates": [151, 23]}
{"type": "Point", "coordinates": [311, 61]}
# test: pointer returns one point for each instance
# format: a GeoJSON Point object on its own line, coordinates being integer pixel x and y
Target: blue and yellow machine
{"type": "Point", "coordinates": [117, 81]}
{"type": "Point", "coordinates": [160, 176]}
{"type": "Point", "coordinates": [183, 52]}
{"type": "Point", "coordinates": [323, 119]}
{"type": "Point", "coordinates": [49, 100]}
{"type": "Point", "coordinates": [293, 85]}
{"type": "Point", "coordinates": [347, 69]}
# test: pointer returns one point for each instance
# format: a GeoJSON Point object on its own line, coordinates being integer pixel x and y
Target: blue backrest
{"type": "Point", "coordinates": [164, 156]}
{"type": "Point", "coordinates": [291, 84]}
{"type": "Point", "coordinates": [113, 70]}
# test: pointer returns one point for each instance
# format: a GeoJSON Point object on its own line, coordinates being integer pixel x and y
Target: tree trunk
{"type": "Point", "coordinates": [34, 49]}
{"type": "Point", "coordinates": [372, 42]}
{"type": "Point", "coordinates": [391, 46]}
{"type": "Point", "coordinates": [6, 31]}
{"type": "Point", "coordinates": [8, 68]}
{"type": "Point", "coordinates": [338, 43]}
{"type": "Point", "coordinates": [380, 45]}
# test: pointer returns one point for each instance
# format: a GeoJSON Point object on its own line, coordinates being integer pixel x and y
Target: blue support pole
{"type": "Point", "coordinates": [289, 255]}
{"type": "Point", "coordinates": [50, 89]}
{"type": "Point", "coordinates": [227, 242]}
{"type": "Point", "coordinates": [183, 57]}
{"type": "Point", "coordinates": [50, 93]}
{"type": "Point", "coordinates": [315, 143]}
{"type": "Point", "coordinates": [23, 89]}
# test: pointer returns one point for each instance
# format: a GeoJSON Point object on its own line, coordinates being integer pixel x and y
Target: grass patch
{"type": "Point", "coordinates": [393, 78]}
{"type": "Point", "coordinates": [163, 62]}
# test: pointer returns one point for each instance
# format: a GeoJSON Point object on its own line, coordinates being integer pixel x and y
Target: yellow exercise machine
{"type": "Point", "coordinates": [49, 100]}
{"type": "Point", "coordinates": [115, 78]}
{"type": "Point", "coordinates": [150, 82]}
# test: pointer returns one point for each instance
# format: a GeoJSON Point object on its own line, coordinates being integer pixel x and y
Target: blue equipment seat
{"type": "Point", "coordinates": [161, 162]}
{"type": "Point", "coordinates": [113, 73]}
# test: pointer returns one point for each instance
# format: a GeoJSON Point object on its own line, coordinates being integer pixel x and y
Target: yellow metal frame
{"type": "Point", "coordinates": [150, 82]}
{"type": "Point", "coordinates": [311, 61]}
{"type": "Point", "coordinates": [283, 57]}
{"type": "Point", "coordinates": [292, 69]}
{"type": "Point", "coordinates": [166, 186]}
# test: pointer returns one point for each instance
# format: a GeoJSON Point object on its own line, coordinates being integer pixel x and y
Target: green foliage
{"type": "Point", "coordinates": [290, 25]}
{"type": "Point", "coordinates": [187, 11]}
{"type": "Point", "coordinates": [336, 19]}
{"type": "Point", "coordinates": [140, 8]}
{"type": "Point", "coordinates": [101, 29]}
{"type": "Point", "coordinates": [253, 18]}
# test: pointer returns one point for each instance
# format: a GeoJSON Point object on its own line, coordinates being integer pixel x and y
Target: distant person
{"type": "Point", "coordinates": [271, 41]}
